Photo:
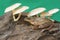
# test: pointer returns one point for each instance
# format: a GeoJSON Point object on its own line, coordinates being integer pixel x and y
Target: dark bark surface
{"type": "Point", "coordinates": [21, 30]}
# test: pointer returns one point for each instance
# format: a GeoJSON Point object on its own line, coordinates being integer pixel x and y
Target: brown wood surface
{"type": "Point", "coordinates": [20, 30]}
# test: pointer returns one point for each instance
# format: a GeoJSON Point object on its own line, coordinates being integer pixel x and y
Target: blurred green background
{"type": "Point", "coordinates": [48, 4]}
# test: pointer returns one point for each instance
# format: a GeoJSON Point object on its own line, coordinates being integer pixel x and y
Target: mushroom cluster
{"type": "Point", "coordinates": [32, 17]}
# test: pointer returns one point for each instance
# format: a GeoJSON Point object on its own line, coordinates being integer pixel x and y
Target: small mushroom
{"type": "Point", "coordinates": [49, 13]}
{"type": "Point", "coordinates": [36, 11]}
{"type": "Point", "coordinates": [19, 12]}
{"type": "Point", "coordinates": [12, 7]}
{"type": "Point", "coordinates": [52, 12]}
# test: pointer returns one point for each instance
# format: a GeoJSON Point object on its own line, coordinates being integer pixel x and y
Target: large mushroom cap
{"type": "Point", "coordinates": [36, 11]}
{"type": "Point", "coordinates": [12, 7]}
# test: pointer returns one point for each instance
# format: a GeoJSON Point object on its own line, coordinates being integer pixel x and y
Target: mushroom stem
{"type": "Point", "coordinates": [43, 14]}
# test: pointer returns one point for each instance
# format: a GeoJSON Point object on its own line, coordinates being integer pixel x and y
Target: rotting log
{"type": "Point", "coordinates": [19, 30]}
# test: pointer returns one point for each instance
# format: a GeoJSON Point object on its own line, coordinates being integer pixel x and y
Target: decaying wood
{"type": "Point", "coordinates": [39, 22]}
{"type": "Point", "coordinates": [48, 37]}
{"type": "Point", "coordinates": [20, 30]}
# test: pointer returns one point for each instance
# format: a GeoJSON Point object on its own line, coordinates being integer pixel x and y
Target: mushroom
{"type": "Point", "coordinates": [36, 11]}
{"type": "Point", "coordinates": [10, 8]}
{"type": "Point", "coordinates": [19, 12]}
{"type": "Point", "coordinates": [51, 12]}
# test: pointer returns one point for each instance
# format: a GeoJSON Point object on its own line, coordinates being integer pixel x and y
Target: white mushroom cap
{"type": "Point", "coordinates": [21, 9]}
{"type": "Point", "coordinates": [36, 11]}
{"type": "Point", "coordinates": [12, 7]}
{"type": "Point", "coordinates": [52, 11]}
